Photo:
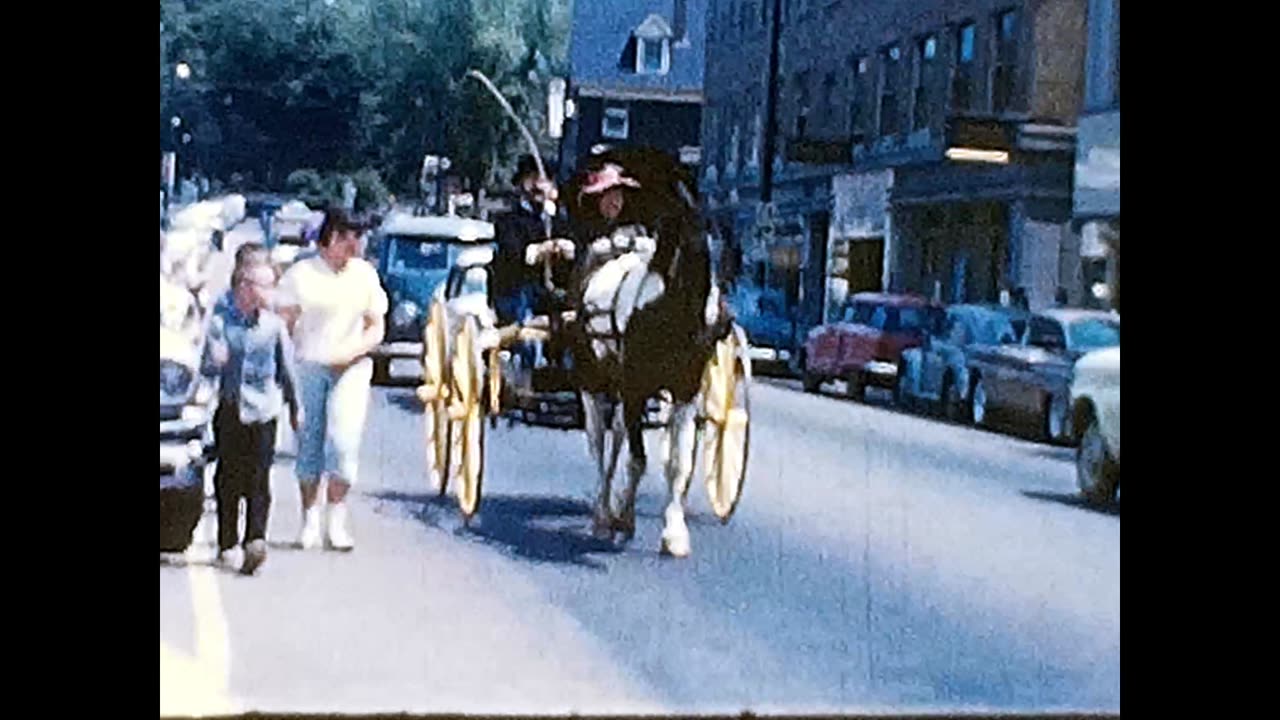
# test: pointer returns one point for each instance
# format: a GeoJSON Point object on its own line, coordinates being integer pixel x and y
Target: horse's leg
{"type": "Point", "coordinates": [594, 415]}
{"type": "Point", "coordinates": [679, 468]}
{"type": "Point", "coordinates": [633, 415]}
{"type": "Point", "coordinates": [616, 435]}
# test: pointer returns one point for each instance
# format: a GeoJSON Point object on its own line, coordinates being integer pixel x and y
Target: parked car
{"type": "Point", "coordinates": [186, 412]}
{"type": "Point", "coordinates": [1095, 410]}
{"type": "Point", "coordinates": [1031, 380]}
{"type": "Point", "coordinates": [937, 372]}
{"type": "Point", "coordinates": [413, 255]}
{"type": "Point", "coordinates": [770, 328]}
{"type": "Point", "coordinates": [865, 347]}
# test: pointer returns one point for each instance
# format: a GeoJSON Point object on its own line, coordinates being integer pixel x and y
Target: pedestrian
{"type": "Point", "coordinates": [335, 307]}
{"type": "Point", "coordinates": [248, 351]}
{"type": "Point", "coordinates": [248, 254]}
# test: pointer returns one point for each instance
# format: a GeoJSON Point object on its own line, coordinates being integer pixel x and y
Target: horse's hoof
{"type": "Point", "coordinates": [675, 547]}
{"type": "Point", "coordinates": [602, 531]}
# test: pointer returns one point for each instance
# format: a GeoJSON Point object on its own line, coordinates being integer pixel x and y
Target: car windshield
{"type": "Point", "coordinates": [862, 313]}
{"type": "Point", "coordinates": [1094, 334]}
{"type": "Point", "coordinates": [475, 281]}
{"type": "Point", "coordinates": [994, 329]}
{"type": "Point", "coordinates": [416, 255]}
{"type": "Point", "coordinates": [909, 318]}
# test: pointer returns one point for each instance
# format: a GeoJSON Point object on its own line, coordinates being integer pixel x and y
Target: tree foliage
{"type": "Point", "coordinates": [356, 87]}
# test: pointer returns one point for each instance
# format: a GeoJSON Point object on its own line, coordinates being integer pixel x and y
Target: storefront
{"type": "Point", "coordinates": [1097, 207]}
{"type": "Point", "coordinates": [860, 237]}
{"type": "Point", "coordinates": [967, 230]}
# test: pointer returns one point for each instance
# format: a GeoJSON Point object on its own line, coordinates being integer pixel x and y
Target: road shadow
{"type": "Point", "coordinates": [540, 529]}
{"type": "Point", "coordinates": [1076, 501]}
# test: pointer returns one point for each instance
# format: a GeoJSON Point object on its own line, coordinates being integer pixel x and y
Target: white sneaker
{"type": "Point", "coordinates": [339, 532]}
{"type": "Point", "coordinates": [230, 560]}
{"type": "Point", "coordinates": [309, 539]}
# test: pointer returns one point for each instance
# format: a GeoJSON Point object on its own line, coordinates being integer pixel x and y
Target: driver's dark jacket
{"type": "Point", "coordinates": [515, 231]}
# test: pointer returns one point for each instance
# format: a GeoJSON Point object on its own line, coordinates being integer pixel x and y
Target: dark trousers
{"type": "Point", "coordinates": [245, 456]}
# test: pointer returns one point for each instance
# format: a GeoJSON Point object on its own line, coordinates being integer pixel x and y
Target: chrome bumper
{"type": "Point", "coordinates": [399, 350]}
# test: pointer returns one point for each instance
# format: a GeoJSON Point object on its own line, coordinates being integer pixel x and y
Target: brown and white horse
{"type": "Point", "coordinates": [647, 321]}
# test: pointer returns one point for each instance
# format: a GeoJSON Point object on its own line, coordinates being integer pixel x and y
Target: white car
{"type": "Point", "coordinates": [1095, 402]}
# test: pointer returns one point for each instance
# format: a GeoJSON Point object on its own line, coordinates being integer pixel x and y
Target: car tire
{"type": "Point", "coordinates": [1056, 420]}
{"type": "Point", "coordinates": [811, 382]}
{"type": "Point", "coordinates": [856, 387]}
{"type": "Point", "coordinates": [381, 371]}
{"type": "Point", "coordinates": [901, 395]}
{"type": "Point", "coordinates": [945, 409]}
{"type": "Point", "coordinates": [1097, 475]}
{"type": "Point", "coordinates": [978, 407]}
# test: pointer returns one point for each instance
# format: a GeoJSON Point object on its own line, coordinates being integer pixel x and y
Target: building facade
{"type": "Point", "coordinates": [636, 77]}
{"type": "Point", "coordinates": [1097, 175]}
{"type": "Point", "coordinates": [923, 146]}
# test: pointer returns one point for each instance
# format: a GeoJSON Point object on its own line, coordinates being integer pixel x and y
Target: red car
{"type": "Point", "coordinates": [865, 347]}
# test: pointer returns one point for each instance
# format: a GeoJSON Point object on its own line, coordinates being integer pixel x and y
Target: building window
{"type": "Point", "coordinates": [654, 56]}
{"type": "Point", "coordinates": [616, 123]}
{"type": "Point", "coordinates": [858, 106]}
{"type": "Point", "coordinates": [1004, 73]}
{"type": "Point", "coordinates": [890, 76]}
{"type": "Point", "coordinates": [926, 65]}
{"type": "Point", "coordinates": [803, 101]}
{"type": "Point", "coordinates": [962, 82]}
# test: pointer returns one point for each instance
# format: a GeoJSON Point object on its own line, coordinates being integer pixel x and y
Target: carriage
{"type": "Point", "coordinates": [473, 373]}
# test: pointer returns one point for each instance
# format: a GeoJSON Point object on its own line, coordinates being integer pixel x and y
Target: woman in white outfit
{"type": "Point", "coordinates": [335, 306]}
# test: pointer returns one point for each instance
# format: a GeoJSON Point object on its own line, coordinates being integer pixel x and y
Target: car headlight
{"type": "Point", "coordinates": [405, 314]}
{"type": "Point", "coordinates": [175, 380]}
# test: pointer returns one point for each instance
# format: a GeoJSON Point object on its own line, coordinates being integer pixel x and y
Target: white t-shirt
{"type": "Point", "coordinates": [333, 305]}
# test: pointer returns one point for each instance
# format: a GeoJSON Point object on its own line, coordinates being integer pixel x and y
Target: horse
{"type": "Point", "coordinates": [647, 323]}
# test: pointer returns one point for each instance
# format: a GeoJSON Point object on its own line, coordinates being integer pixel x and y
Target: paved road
{"type": "Point", "coordinates": [878, 562]}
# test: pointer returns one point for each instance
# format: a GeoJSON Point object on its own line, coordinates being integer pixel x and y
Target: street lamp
{"type": "Point", "coordinates": [183, 71]}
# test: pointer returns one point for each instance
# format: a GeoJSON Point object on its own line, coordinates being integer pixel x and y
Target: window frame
{"type": "Point", "coordinates": [614, 111]}
{"type": "Point", "coordinates": [922, 92]}
{"type": "Point", "coordinates": [962, 69]}
{"type": "Point", "coordinates": [664, 50]}
{"type": "Point", "coordinates": [890, 79]}
{"type": "Point", "coordinates": [1004, 68]}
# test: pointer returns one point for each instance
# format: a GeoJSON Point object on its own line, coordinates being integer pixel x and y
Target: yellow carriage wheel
{"type": "Point", "coordinates": [434, 394]}
{"type": "Point", "coordinates": [727, 413]}
{"type": "Point", "coordinates": [494, 379]}
{"type": "Point", "coordinates": [466, 410]}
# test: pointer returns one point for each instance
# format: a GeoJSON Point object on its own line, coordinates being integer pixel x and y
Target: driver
{"type": "Point", "coordinates": [519, 290]}
{"type": "Point", "coordinates": [518, 286]}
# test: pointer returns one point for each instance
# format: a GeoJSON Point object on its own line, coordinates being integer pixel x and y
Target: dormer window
{"type": "Point", "coordinates": [653, 46]}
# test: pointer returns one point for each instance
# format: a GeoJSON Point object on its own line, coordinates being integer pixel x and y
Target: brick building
{"type": "Point", "coordinates": [923, 145]}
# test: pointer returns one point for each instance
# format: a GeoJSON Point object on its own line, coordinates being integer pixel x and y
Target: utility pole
{"type": "Point", "coordinates": [771, 106]}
